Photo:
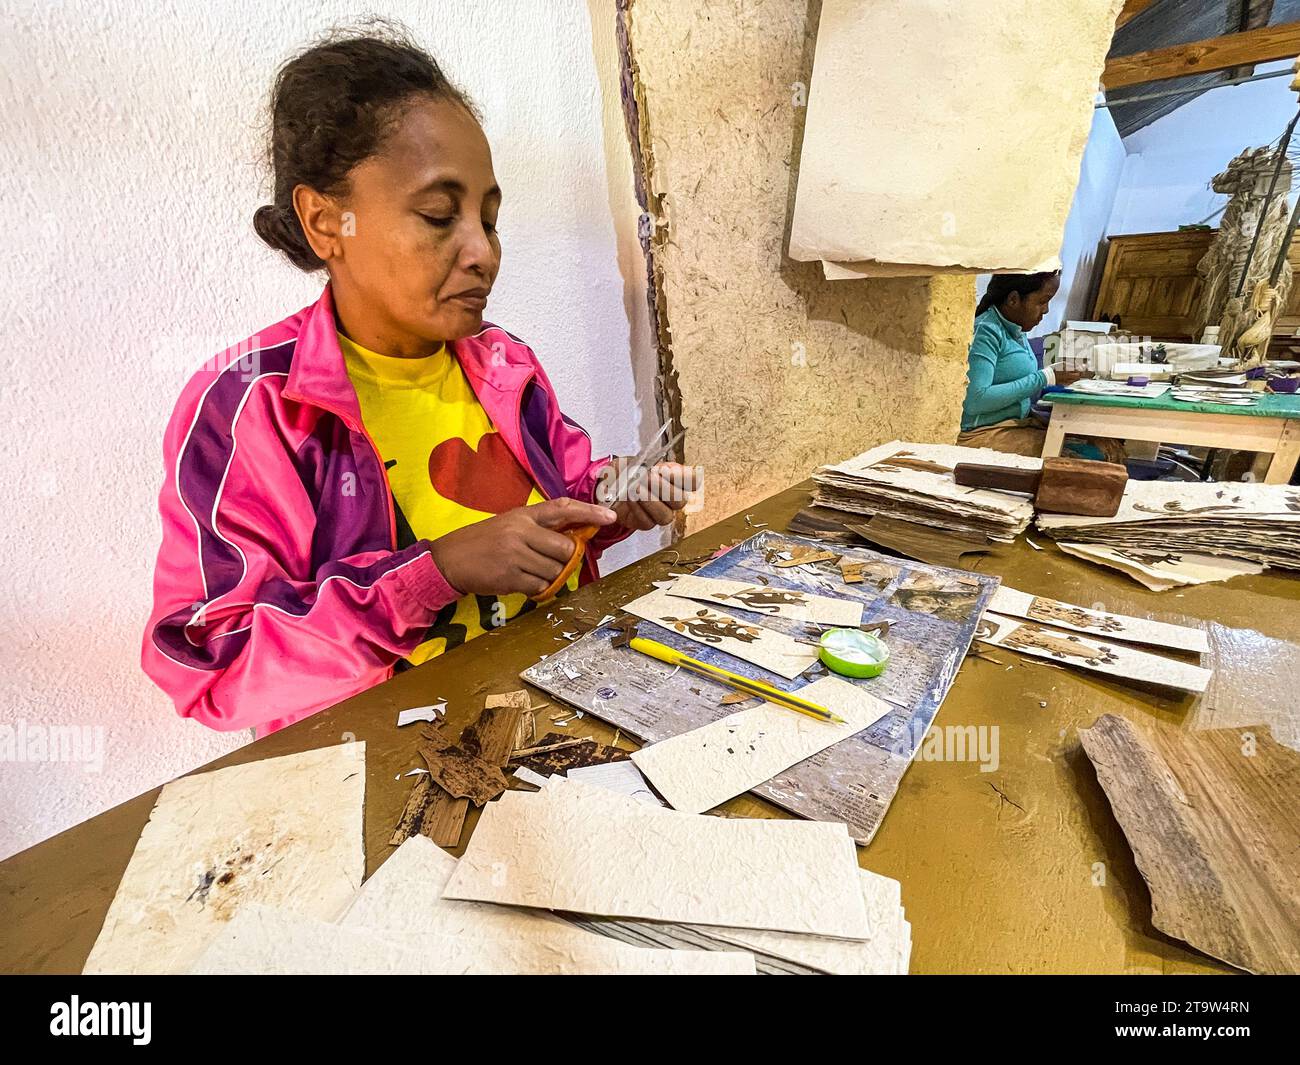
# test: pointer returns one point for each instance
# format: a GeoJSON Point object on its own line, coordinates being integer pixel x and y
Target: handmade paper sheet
{"type": "Point", "coordinates": [770, 599]}
{"type": "Point", "coordinates": [1097, 622]}
{"type": "Point", "coordinates": [907, 160]}
{"type": "Point", "coordinates": [266, 942]}
{"type": "Point", "coordinates": [886, 953]}
{"type": "Point", "coordinates": [782, 654]}
{"type": "Point", "coordinates": [282, 832]}
{"type": "Point", "coordinates": [585, 850]}
{"type": "Point", "coordinates": [1161, 570]}
{"type": "Point", "coordinates": [698, 770]}
{"type": "Point", "coordinates": [1030, 638]}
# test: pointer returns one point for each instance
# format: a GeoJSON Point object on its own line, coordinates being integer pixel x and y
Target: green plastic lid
{"type": "Point", "coordinates": [853, 653]}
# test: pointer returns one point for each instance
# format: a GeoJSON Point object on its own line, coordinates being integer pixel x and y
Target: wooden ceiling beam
{"type": "Point", "coordinates": [1131, 10]}
{"type": "Point", "coordinates": [1261, 45]}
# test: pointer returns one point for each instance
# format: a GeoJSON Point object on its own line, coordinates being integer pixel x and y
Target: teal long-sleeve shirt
{"type": "Point", "coordinates": [1002, 373]}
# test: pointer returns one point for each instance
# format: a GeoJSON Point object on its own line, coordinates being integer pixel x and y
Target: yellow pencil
{"type": "Point", "coordinates": [673, 657]}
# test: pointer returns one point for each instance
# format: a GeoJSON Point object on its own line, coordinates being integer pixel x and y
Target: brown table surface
{"type": "Point", "coordinates": [998, 869]}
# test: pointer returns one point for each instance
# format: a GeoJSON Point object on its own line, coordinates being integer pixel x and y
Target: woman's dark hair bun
{"type": "Point", "coordinates": [284, 234]}
{"type": "Point", "coordinates": [330, 110]}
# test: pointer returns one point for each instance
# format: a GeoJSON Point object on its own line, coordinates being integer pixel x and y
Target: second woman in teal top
{"type": "Point", "coordinates": [1002, 374]}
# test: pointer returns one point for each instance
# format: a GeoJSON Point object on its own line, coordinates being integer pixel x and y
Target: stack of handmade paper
{"type": "Point", "coordinates": [789, 890]}
{"type": "Point", "coordinates": [256, 868]}
{"type": "Point", "coordinates": [914, 482]}
{"type": "Point", "coordinates": [649, 891]}
{"type": "Point", "coordinates": [1256, 522]}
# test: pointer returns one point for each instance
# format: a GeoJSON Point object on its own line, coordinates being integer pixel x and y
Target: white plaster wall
{"type": "Point", "coordinates": [129, 141]}
{"type": "Point", "coordinates": [1085, 229]}
{"type": "Point", "coordinates": [1166, 180]}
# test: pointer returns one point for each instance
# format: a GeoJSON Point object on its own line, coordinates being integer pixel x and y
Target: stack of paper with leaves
{"type": "Point", "coordinates": [914, 482]}
{"type": "Point", "coordinates": [782, 888]}
{"type": "Point", "coordinates": [1256, 522]}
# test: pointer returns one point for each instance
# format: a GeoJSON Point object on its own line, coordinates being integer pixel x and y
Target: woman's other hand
{"type": "Point", "coordinates": [656, 498]}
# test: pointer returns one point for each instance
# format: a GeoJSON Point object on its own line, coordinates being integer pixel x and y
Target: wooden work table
{"type": "Point", "coordinates": [998, 869]}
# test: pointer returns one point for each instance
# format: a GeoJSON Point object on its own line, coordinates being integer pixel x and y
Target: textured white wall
{"type": "Point", "coordinates": [129, 141]}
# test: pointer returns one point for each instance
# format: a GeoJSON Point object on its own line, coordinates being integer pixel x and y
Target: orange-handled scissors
{"type": "Point", "coordinates": [608, 492]}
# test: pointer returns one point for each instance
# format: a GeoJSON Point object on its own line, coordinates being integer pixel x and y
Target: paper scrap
{"type": "Point", "coordinates": [621, 777]}
{"type": "Point", "coordinates": [529, 777]}
{"type": "Point", "coordinates": [284, 832]}
{"type": "Point", "coordinates": [420, 713]}
{"type": "Point", "coordinates": [703, 768]}
{"type": "Point", "coordinates": [585, 850]}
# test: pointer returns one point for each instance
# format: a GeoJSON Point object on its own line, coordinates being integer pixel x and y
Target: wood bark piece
{"type": "Point", "coordinates": [1213, 818]}
{"type": "Point", "coordinates": [435, 813]}
{"type": "Point", "coordinates": [463, 775]}
{"type": "Point", "coordinates": [558, 753]}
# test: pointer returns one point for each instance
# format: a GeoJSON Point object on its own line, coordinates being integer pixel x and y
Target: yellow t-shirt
{"type": "Point", "coordinates": [447, 468]}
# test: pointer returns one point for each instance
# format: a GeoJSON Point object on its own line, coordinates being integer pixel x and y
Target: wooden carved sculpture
{"type": "Point", "coordinates": [1246, 181]}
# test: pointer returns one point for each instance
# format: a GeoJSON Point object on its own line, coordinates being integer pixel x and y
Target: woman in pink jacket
{"type": "Point", "coordinates": [382, 475]}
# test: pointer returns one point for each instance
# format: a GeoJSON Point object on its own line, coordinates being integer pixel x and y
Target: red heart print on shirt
{"type": "Point", "coordinates": [487, 479]}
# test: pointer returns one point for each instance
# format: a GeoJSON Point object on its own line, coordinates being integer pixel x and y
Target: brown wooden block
{"type": "Point", "coordinates": [1080, 486]}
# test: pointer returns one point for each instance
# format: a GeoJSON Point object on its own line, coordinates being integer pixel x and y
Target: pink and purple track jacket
{"type": "Point", "coordinates": [278, 589]}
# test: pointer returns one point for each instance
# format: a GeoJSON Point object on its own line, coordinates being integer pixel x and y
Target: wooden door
{"type": "Point", "coordinates": [1150, 281]}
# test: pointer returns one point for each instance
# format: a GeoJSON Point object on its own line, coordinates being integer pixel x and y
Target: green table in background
{"type": "Point", "coordinates": [1270, 427]}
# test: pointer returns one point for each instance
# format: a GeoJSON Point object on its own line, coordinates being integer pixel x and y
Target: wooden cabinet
{"type": "Point", "coordinates": [1150, 281]}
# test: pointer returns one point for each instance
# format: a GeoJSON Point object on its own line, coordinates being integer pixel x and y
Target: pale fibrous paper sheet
{"type": "Point", "coordinates": [905, 164]}
{"type": "Point", "coordinates": [1161, 570]}
{"type": "Point", "coordinates": [405, 896]}
{"type": "Point", "coordinates": [736, 635]}
{"type": "Point", "coordinates": [914, 482]}
{"type": "Point", "coordinates": [281, 832]}
{"type": "Point", "coordinates": [1091, 653]}
{"type": "Point", "coordinates": [261, 941]}
{"type": "Point", "coordinates": [1098, 623]}
{"type": "Point", "coordinates": [588, 851]}
{"type": "Point", "coordinates": [886, 953]}
{"type": "Point", "coordinates": [771, 599]}
{"type": "Point", "coordinates": [1253, 522]}
{"type": "Point", "coordinates": [703, 768]}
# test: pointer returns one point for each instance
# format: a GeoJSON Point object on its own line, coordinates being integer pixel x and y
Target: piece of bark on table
{"type": "Point", "coordinates": [936, 547]}
{"type": "Point", "coordinates": [1212, 818]}
{"type": "Point", "coordinates": [433, 812]}
{"type": "Point", "coordinates": [576, 756]}
{"type": "Point", "coordinates": [463, 775]}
